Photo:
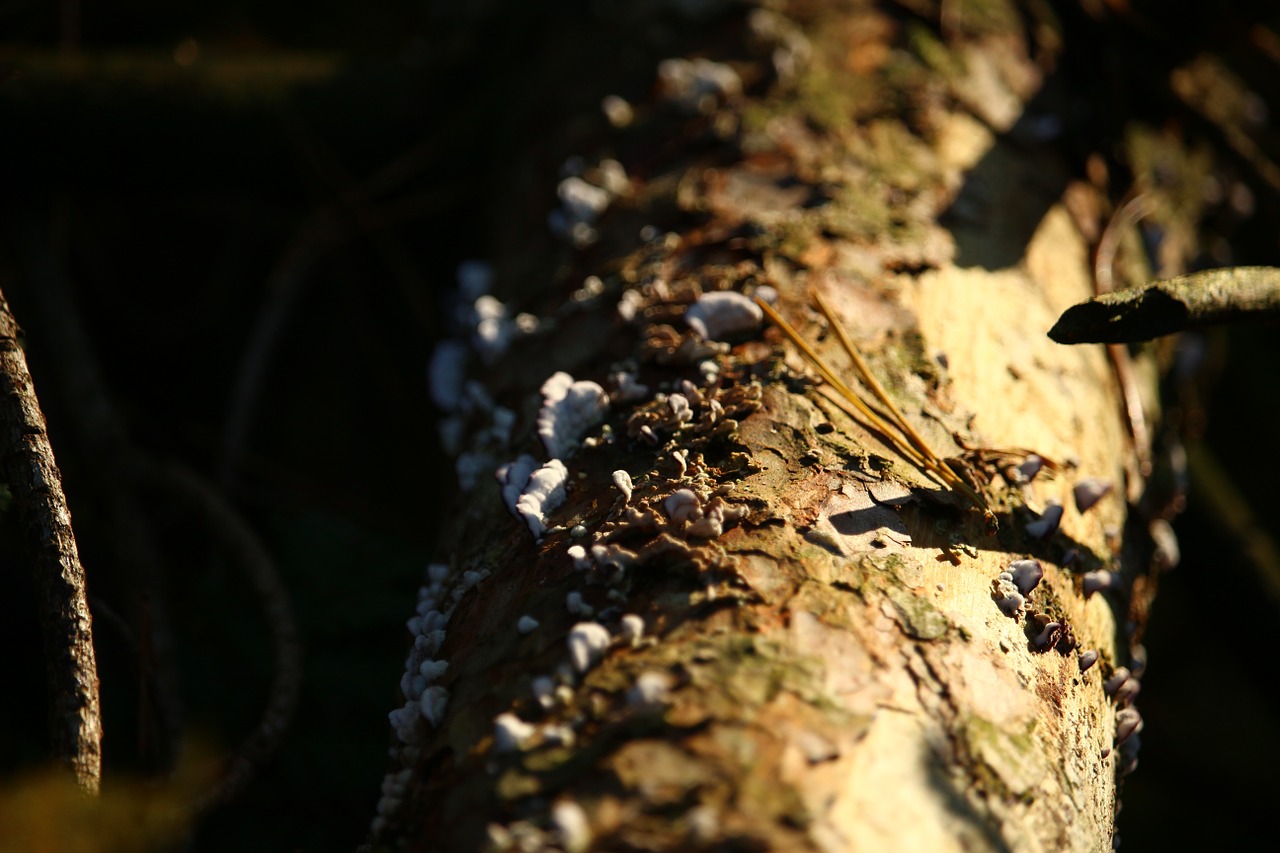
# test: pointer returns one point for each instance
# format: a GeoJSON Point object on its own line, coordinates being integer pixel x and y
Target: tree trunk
{"type": "Point", "coordinates": [825, 655]}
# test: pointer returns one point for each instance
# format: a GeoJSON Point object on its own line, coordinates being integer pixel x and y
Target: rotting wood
{"type": "Point", "coordinates": [824, 664]}
{"type": "Point", "coordinates": [65, 622]}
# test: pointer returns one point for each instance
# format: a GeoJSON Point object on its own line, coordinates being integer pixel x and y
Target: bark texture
{"type": "Point", "coordinates": [824, 664]}
{"type": "Point", "coordinates": [66, 624]}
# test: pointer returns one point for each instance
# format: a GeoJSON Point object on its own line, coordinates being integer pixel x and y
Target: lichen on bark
{"type": "Point", "coordinates": [824, 667]}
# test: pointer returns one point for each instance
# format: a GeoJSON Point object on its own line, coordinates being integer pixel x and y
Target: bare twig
{"type": "Point", "coordinates": [65, 621]}
{"type": "Point", "coordinates": [243, 548]}
{"type": "Point", "coordinates": [1193, 301]}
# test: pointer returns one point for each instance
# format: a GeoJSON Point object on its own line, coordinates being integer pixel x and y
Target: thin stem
{"type": "Point", "coordinates": [65, 621]}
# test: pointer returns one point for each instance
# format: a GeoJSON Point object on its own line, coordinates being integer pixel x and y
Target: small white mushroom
{"type": "Point", "coordinates": [1118, 678]}
{"type": "Point", "coordinates": [575, 605]}
{"type": "Point", "coordinates": [696, 85]}
{"type": "Point", "coordinates": [578, 554]}
{"type": "Point", "coordinates": [682, 462]}
{"type": "Point", "coordinates": [1047, 523]}
{"type": "Point", "coordinates": [510, 732]}
{"type": "Point", "coordinates": [558, 735]}
{"type": "Point", "coordinates": [627, 388]}
{"type": "Point", "coordinates": [1099, 580]}
{"type": "Point", "coordinates": [1127, 692]}
{"type": "Point", "coordinates": [1029, 468]}
{"type": "Point", "coordinates": [1088, 492]}
{"type": "Point", "coordinates": [527, 624]}
{"type": "Point", "coordinates": [544, 689]}
{"type": "Point", "coordinates": [717, 315]}
{"type": "Point", "coordinates": [631, 628]}
{"type": "Point", "coordinates": [682, 505]}
{"type": "Point", "coordinates": [587, 643]}
{"type": "Point", "coordinates": [583, 202]}
{"type": "Point", "coordinates": [568, 410]}
{"type": "Point", "coordinates": [431, 670]}
{"type": "Point", "coordinates": [572, 826]}
{"type": "Point", "coordinates": [622, 480]}
{"type": "Point", "coordinates": [651, 689]}
{"type": "Point", "coordinates": [544, 492]}
{"type": "Point", "coordinates": [432, 703]}
{"type": "Point", "coordinates": [1026, 574]}
{"type": "Point", "coordinates": [617, 111]}
{"type": "Point", "coordinates": [1128, 724]}
{"type": "Point", "coordinates": [1006, 595]}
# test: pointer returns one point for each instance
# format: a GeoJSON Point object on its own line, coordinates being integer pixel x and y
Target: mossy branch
{"type": "Point", "coordinates": [1231, 295]}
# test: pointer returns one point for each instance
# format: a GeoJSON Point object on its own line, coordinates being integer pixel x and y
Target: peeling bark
{"type": "Point", "coordinates": [824, 663]}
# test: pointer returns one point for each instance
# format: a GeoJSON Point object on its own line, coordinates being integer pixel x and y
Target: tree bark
{"type": "Point", "coordinates": [825, 661]}
{"type": "Point", "coordinates": [66, 625]}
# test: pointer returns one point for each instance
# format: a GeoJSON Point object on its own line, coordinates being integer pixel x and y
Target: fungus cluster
{"type": "Point", "coordinates": [1012, 586]}
{"type": "Point", "coordinates": [424, 700]}
{"type": "Point", "coordinates": [698, 85]}
{"type": "Point", "coordinates": [584, 196]}
{"type": "Point", "coordinates": [569, 409]}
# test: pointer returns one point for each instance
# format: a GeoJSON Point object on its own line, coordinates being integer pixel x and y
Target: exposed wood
{"type": "Point", "coordinates": [75, 726]}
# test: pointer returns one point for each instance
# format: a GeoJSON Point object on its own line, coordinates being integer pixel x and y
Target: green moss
{"type": "Point", "coordinates": [920, 619]}
{"type": "Point", "coordinates": [1006, 762]}
{"type": "Point", "coordinates": [935, 54]}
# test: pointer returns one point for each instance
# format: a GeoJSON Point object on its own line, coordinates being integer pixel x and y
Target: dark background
{"type": "Point", "coordinates": [300, 181]}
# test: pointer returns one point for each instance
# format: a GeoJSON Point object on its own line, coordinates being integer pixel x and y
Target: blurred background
{"type": "Point", "coordinates": [227, 230]}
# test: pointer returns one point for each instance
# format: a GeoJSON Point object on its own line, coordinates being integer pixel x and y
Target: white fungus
{"type": "Point", "coordinates": [475, 279]}
{"type": "Point", "coordinates": [582, 201]}
{"type": "Point", "coordinates": [1128, 724]}
{"type": "Point", "coordinates": [617, 111]}
{"type": "Point", "coordinates": [513, 477]}
{"type": "Point", "coordinates": [431, 670]}
{"type": "Point", "coordinates": [722, 313]}
{"type": "Point", "coordinates": [447, 373]}
{"type": "Point", "coordinates": [651, 689]}
{"type": "Point", "coordinates": [576, 606]}
{"type": "Point", "coordinates": [544, 690]}
{"type": "Point", "coordinates": [568, 410]}
{"type": "Point", "coordinates": [628, 389]}
{"type": "Point", "coordinates": [697, 85]}
{"type": "Point", "coordinates": [622, 480]}
{"type": "Point", "coordinates": [1047, 523]}
{"type": "Point", "coordinates": [1088, 492]}
{"type": "Point", "coordinates": [404, 721]}
{"type": "Point", "coordinates": [572, 826]}
{"type": "Point", "coordinates": [613, 178]}
{"type": "Point", "coordinates": [510, 732]}
{"type": "Point", "coordinates": [433, 702]}
{"type": "Point", "coordinates": [527, 624]}
{"type": "Point", "coordinates": [682, 505]}
{"type": "Point", "coordinates": [544, 492]}
{"type": "Point", "coordinates": [587, 643]}
{"type": "Point", "coordinates": [1007, 595]}
{"type": "Point", "coordinates": [1118, 678]}
{"type": "Point", "coordinates": [470, 467]}
{"type": "Point", "coordinates": [1026, 574]}
{"type": "Point", "coordinates": [1099, 580]}
{"type": "Point", "coordinates": [492, 331]}
{"type": "Point", "coordinates": [631, 628]}
{"type": "Point", "coordinates": [581, 562]}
